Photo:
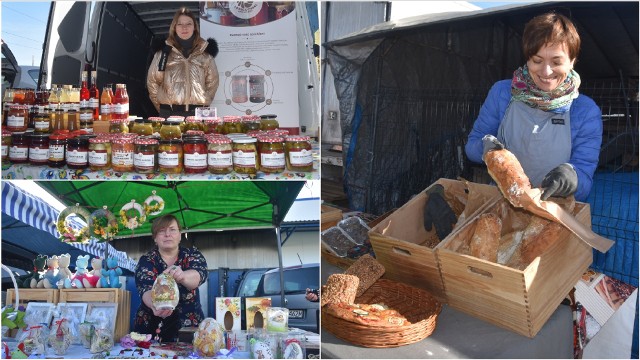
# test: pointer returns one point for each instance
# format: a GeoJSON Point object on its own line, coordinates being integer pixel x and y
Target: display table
{"type": "Point", "coordinates": [458, 335]}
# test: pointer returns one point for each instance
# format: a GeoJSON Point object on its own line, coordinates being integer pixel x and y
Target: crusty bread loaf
{"type": "Point", "coordinates": [339, 288]}
{"type": "Point", "coordinates": [486, 237]}
{"type": "Point", "coordinates": [368, 270]}
{"type": "Point", "coordinates": [506, 171]}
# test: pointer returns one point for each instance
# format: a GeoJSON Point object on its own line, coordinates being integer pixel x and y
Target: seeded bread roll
{"type": "Point", "coordinates": [506, 171]}
{"type": "Point", "coordinates": [340, 288]}
{"type": "Point", "coordinates": [368, 270]}
{"type": "Point", "coordinates": [486, 238]}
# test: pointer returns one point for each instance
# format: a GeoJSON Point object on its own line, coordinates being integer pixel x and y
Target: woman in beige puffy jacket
{"type": "Point", "coordinates": [183, 74]}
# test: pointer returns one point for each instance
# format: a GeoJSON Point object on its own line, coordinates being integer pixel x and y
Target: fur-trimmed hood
{"type": "Point", "coordinates": [211, 48]}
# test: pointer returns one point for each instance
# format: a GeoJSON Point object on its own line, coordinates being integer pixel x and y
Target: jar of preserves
{"type": "Point", "coordinates": [213, 126]}
{"type": "Point", "coordinates": [191, 123]}
{"type": "Point", "coordinates": [18, 118]}
{"type": "Point", "coordinates": [42, 122]}
{"type": "Point", "coordinates": [232, 124]}
{"type": "Point", "coordinates": [86, 119]}
{"type": "Point", "coordinates": [57, 150]}
{"type": "Point", "coordinates": [170, 156]}
{"type": "Point", "coordinates": [77, 153]}
{"type": "Point", "coordinates": [219, 155]}
{"type": "Point", "coordinates": [271, 154]}
{"type": "Point", "coordinates": [170, 130]}
{"type": "Point", "coordinates": [268, 122]}
{"type": "Point", "coordinates": [156, 123]}
{"type": "Point", "coordinates": [145, 157]}
{"type": "Point", "coordinates": [245, 155]}
{"type": "Point", "coordinates": [39, 149]}
{"type": "Point", "coordinates": [7, 101]}
{"type": "Point", "coordinates": [142, 127]}
{"type": "Point", "coordinates": [119, 126]}
{"type": "Point", "coordinates": [299, 155]}
{"type": "Point", "coordinates": [256, 133]}
{"type": "Point", "coordinates": [19, 149]}
{"type": "Point", "coordinates": [250, 123]}
{"type": "Point", "coordinates": [122, 154]}
{"type": "Point", "coordinates": [99, 153]}
{"type": "Point", "coordinates": [6, 144]}
{"type": "Point", "coordinates": [194, 148]}
{"type": "Point", "coordinates": [279, 132]}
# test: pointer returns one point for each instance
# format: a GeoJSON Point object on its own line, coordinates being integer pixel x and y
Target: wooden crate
{"type": "Point", "coordinates": [400, 240]}
{"type": "Point", "coordinates": [329, 216]}
{"type": "Point", "coordinates": [28, 295]}
{"type": "Point", "coordinates": [110, 295]}
{"type": "Point", "coordinates": [518, 300]}
{"type": "Point", "coordinates": [330, 257]}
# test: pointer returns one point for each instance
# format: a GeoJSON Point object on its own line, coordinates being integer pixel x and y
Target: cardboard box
{"type": "Point", "coordinates": [518, 300]}
{"type": "Point", "coordinates": [108, 295]}
{"type": "Point", "coordinates": [402, 245]}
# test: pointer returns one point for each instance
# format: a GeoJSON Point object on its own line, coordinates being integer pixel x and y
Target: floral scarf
{"type": "Point", "coordinates": [524, 89]}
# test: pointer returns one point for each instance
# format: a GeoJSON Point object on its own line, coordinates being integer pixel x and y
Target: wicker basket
{"type": "Point", "coordinates": [417, 305]}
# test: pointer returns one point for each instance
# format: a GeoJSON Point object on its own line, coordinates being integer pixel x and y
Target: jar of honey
{"type": "Point", "coordinates": [145, 157]}
{"type": "Point", "coordinates": [220, 155]}
{"type": "Point", "coordinates": [271, 154]}
{"type": "Point", "coordinates": [298, 153]}
{"type": "Point", "coordinates": [245, 155]}
{"type": "Point", "coordinates": [170, 156]}
{"type": "Point", "coordinates": [99, 153]}
{"type": "Point", "coordinates": [194, 149]}
{"type": "Point", "coordinates": [122, 154]}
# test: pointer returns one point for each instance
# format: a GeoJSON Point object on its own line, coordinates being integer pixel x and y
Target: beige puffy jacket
{"type": "Point", "coordinates": [192, 80]}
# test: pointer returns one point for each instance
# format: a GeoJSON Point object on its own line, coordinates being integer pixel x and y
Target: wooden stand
{"type": "Point", "coordinates": [28, 295]}
{"type": "Point", "coordinates": [110, 295]}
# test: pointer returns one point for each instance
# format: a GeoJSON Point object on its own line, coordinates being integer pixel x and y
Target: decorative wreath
{"type": "Point", "coordinates": [103, 225]}
{"type": "Point", "coordinates": [132, 215]}
{"type": "Point", "coordinates": [152, 208]}
{"type": "Point", "coordinates": [69, 234]}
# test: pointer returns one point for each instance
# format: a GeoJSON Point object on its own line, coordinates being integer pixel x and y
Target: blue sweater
{"type": "Point", "coordinates": [586, 132]}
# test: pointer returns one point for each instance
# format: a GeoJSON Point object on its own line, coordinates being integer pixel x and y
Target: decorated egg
{"type": "Point", "coordinates": [261, 350]}
{"type": "Point", "coordinates": [164, 293]}
{"type": "Point", "coordinates": [293, 350]}
{"type": "Point", "coordinates": [209, 338]}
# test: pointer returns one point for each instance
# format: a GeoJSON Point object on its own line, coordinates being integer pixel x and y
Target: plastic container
{"type": "Point", "coordinates": [337, 241]}
{"type": "Point", "coordinates": [357, 229]}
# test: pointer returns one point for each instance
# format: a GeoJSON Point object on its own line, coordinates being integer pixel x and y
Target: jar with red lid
{"type": "Point", "coordinates": [220, 155]}
{"type": "Point", "coordinates": [118, 126]}
{"type": "Point", "coordinates": [194, 133]}
{"type": "Point", "coordinates": [245, 155]}
{"type": "Point", "coordinates": [6, 144]}
{"type": "Point", "coordinates": [194, 148]}
{"type": "Point", "coordinates": [232, 124]}
{"type": "Point", "coordinates": [142, 127]}
{"type": "Point", "coordinates": [170, 156]}
{"type": "Point", "coordinates": [145, 157]}
{"type": "Point", "coordinates": [279, 132]}
{"type": "Point", "coordinates": [57, 150]}
{"type": "Point", "coordinates": [100, 153]}
{"type": "Point", "coordinates": [271, 154]}
{"type": "Point", "coordinates": [298, 153]}
{"type": "Point", "coordinates": [213, 126]}
{"type": "Point", "coordinates": [191, 123]}
{"type": "Point", "coordinates": [122, 154]}
{"type": "Point", "coordinates": [19, 150]}
{"type": "Point", "coordinates": [250, 122]}
{"type": "Point", "coordinates": [77, 153]}
{"type": "Point", "coordinates": [156, 123]}
{"type": "Point", "coordinates": [39, 149]}
{"type": "Point", "coordinates": [18, 118]}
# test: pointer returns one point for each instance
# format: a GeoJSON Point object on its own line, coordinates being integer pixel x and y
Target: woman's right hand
{"type": "Point", "coordinates": [162, 313]}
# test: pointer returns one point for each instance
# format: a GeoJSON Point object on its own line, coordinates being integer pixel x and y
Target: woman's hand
{"type": "Point", "coordinates": [176, 272]}
{"type": "Point", "coordinates": [161, 313]}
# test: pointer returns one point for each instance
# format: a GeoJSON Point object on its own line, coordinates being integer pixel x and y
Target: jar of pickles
{"type": "Point", "coordinates": [245, 155]}
{"type": "Point", "coordinates": [142, 127]}
{"type": "Point", "coordinates": [271, 154]}
{"type": "Point", "coordinates": [118, 126]}
{"type": "Point", "coordinates": [232, 124]}
{"type": "Point", "coordinates": [77, 153]}
{"type": "Point", "coordinates": [213, 126]}
{"type": "Point", "coordinates": [298, 153]}
{"type": "Point", "coordinates": [39, 149]}
{"type": "Point", "coordinates": [99, 153]}
{"type": "Point", "coordinates": [18, 118]}
{"type": "Point", "coordinates": [42, 122]}
{"type": "Point", "coordinates": [170, 156]}
{"type": "Point", "coordinates": [250, 122]}
{"type": "Point", "coordinates": [268, 122]}
{"type": "Point", "coordinates": [191, 123]}
{"type": "Point", "coordinates": [194, 148]}
{"type": "Point", "coordinates": [57, 150]}
{"type": "Point", "coordinates": [122, 154]}
{"type": "Point", "coordinates": [145, 157]}
{"type": "Point", "coordinates": [156, 123]}
{"type": "Point", "coordinates": [170, 130]}
{"type": "Point", "coordinates": [6, 144]}
{"type": "Point", "coordinates": [220, 155]}
{"type": "Point", "coordinates": [19, 149]}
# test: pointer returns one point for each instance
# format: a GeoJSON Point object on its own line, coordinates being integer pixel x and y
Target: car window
{"type": "Point", "coordinates": [295, 281]}
{"type": "Point", "coordinates": [34, 75]}
{"type": "Point", "coordinates": [250, 284]}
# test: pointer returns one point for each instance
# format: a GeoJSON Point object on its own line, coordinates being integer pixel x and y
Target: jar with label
{"type": "Point", "coordinates": [170, 130]}
{"type": "Point", "coordinates": [232, 124]}
{"type": "Point", "coordinates": [18, 118]}
{"type": "Point", "coordinates": [191, 123]}
{"type": "Point", "coordinates": [156, 123]}
{"type": "Point", "coordinates": [142, 127]}
{"type": "Point", "coordinates": [78, 153]}
{"type": "Point", "coordinates": [239, 89]}
{"type": "Point", "coordinates": [268, 122]}
{"type": "Point", "coordinates": [86, 120]}
{"type": "Point", "coordinates": [42, 122]}
{"type": "Point", "coordinates": [119, 126]}
{"type": "Point", "coordinates": [194, 148]}
{"type": "Point", "coordinates": [299, 155]}
{"type": "Point", "coordinates": [271, 154]}
{"type": "Point", "coordinates": [19, 149]}
{"type": "Point", "coordinates": [170, 156]}
{"type": "Point", "coordinates": [250, 123]}
{"type": "Point", "coordinates": [99, 153]}
{"type": "Point", "coordinates": [220, 155]}
{"type": "Point", "coordinates": [57, 150]}
{"type": "Point", "coordinates": [245, 156]}
{"type": "Point", "coordinates": [58, 120]}
{"type": "Point", "coordinates": [39, 149]}
{"type": "Point", "coordinates": [6, 144]}
{"type": "Point", "coordinates": [122, 154]}
{"type": "Point", "coordinates": [256, 88]}
{"type": "Point", "coordinates": [145, 157]}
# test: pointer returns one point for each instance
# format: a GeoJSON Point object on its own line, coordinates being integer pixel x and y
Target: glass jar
{"type": "Point", "coordinates": [18, 118]}
{"type": "Point", "coordinates": [195, 154]}
{"type": "Point", "coordinates": [122, 154]}
{"type": "Point", "coordinates": [6, 144]}
{"type": "Point", "coordinates": [278, 132]}
{"type": "Point", "coordinates": [268, 122]}
{"type": "Point", "coordinates": [145, 157]}
{"type": "Point", "coordinates": [118, 126]}
{"type": "Point", "coordinates": [170, 156]}
{"type": "Point", "coordinates": [256, 88]}
{"type": "Point", "coordinates": [271, 154]}
{"type": "Point", "coordinates": [39, 149]}
{"type": "Point", "coordinates": [232, 124]}
{"type": "Point", "coordinates": [73, 120]}
{"type": "Point", "coordinates": [57, 150]}
{"type": "Point", "coordinates": [220, 155]}
{"type": "Point", "coordinates": [298, 153]}
{"type": "Point", "coordinates": [156, 123]}
{"type": "Point", "coordinates": [86, 120]}
{"type": "Point", "coordinates": [191, 123]}
{"type": "Point", "coordinates": [170, 130]}
{"type": "Point", "coordinates": [99, 153]}
{"type": "Point", "coordinates": [213, 126]}
{"type": "Point", "coordinates": [250, 123]}
{"type": "Point", "coordinates": [77, 153]}
{"type": "Point", "coordinates": [142, 127]}
{"type": "Point", "coordinates": [245, 156]}
{"type": "Point", "coordinates": [19, 150]}
{"type": "Point", "coordinates": [58, 120]}
{"type": "Point", "coordinates": [42, 122]}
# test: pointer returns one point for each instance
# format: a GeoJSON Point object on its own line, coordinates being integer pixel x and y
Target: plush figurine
{"type": "Point", "coordinates": [64, 273]}
{"type": "Point", "coordinates": [31, 279]}
{"type": "Point", "coordinates": [110, 276]}
{"type": "Point", "coordinates": [81, 271]}
{"type": "Point", "coordinates": [95, 280]}
{"type": "Point", "coordinates": [50, 276]}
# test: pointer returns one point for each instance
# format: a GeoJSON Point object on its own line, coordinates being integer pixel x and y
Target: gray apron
{"type": "Point", "coordinates": [540, 140]}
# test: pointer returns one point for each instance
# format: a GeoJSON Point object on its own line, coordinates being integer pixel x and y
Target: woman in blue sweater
{"type": "Point", "coordinates": [539, 115]}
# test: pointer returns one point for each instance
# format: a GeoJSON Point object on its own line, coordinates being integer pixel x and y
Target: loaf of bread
{"type": "Point", "coordinates": [368, 270]}
{"type": "Point", "coordinates": [340, 288]}
{"type": "Point", "coordinates": [486, 237]}
{"type": "Point", "coordinates": [506, 171]}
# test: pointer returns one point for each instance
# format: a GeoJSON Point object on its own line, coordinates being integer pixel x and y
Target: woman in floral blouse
{"type": "Point", "coordinates": [187, 266]}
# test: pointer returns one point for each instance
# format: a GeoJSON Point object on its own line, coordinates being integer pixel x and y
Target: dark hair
{"type": "Point", "coordinates": [550, 28]}
{"type": "Point", "coordinates": [172, 29]}
{"type": "Point", "coordinates": [162, 222]}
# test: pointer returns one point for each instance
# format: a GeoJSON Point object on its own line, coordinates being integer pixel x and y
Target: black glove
{"type": "Point", "coordinates": [490, 142]}
{"type": "Point", "coordinates": [438, 212]}
{"type": "Point", "coordinates": [561, 181]}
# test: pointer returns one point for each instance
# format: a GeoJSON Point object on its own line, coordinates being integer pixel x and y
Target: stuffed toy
{"type": "Point", "coordinates": [31, 279]}
{"type": "Point", "coordinates": [110, 276]}
{"type": "Point", "coordinates": [64, 273]}
{"type": "Point", "coordinates": [50, 276]}
{"type": "Point", "coordinates": [76, 280]}
{"type": "Point", "coordinates": [95, 280]}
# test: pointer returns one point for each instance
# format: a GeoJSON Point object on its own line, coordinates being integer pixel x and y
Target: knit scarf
{"type": "Point", "coordinates": [186, 45]}
{"type": "Point", "coordinates": [524, 89]}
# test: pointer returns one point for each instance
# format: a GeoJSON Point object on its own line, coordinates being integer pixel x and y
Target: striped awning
{"type": "Point", "coordinates": [35, 212]}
